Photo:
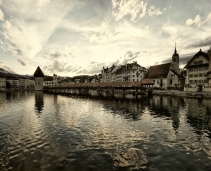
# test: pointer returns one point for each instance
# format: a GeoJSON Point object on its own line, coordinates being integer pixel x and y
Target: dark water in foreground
{"type": "Point", "coordinates": [56, 133]}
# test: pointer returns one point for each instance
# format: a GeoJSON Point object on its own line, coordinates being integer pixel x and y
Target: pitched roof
{"type": "Point", "coordinates": [158, 71]}
{"type": "Point", "coordinates": [38, 72]}
{"type": "Point", "coordinates": [200, 53]}
{"type": "Point", "coordinates": [48, 78]}
{"type": "Point", "coordinates": [128, 66]}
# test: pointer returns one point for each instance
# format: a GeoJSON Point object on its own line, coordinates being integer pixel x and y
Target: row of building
{"type": "Point", "coordinates": [196, 75]}
{"type": "Point", "coordinates": [16, 82]}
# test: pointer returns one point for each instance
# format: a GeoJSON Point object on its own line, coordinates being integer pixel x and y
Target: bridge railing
{"type": "Point", "coordinates": [106, 84]}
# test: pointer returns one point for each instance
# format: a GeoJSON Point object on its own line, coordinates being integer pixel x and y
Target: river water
{"type": "Point", "coordinates": [46, 132]}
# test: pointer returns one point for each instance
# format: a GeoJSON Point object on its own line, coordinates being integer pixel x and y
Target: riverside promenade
{"type": "Point", "coordinates": [182, 93]}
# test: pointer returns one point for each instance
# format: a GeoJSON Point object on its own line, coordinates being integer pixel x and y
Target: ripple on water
{"type": "Point", "coordinates": [80, 134]}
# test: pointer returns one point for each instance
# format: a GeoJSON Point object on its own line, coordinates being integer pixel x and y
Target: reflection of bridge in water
{"type": "Point", "coordinates": [107, 89]}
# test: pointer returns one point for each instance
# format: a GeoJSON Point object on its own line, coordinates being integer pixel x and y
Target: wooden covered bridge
{"type": "Point", "coordinates": [105, 89]}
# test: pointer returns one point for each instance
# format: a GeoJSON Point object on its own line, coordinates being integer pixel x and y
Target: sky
{"type": "Point", "coordinates": [80, 37]}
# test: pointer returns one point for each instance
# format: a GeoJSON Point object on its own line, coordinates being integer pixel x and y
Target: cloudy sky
{"type": "Point", "coordinates": [75, 37]}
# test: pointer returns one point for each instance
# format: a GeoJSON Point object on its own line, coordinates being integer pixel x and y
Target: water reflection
{"type": "Point", "coordinates": [161, 133]}
{"type": "Point", "coordinates": [39, 103]}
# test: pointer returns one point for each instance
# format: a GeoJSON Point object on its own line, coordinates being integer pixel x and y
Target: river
{"type": "Point", "coordinates": [46, 132]}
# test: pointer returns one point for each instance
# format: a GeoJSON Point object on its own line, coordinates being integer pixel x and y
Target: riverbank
{"type": "Point", "coordinates": [182, 94]}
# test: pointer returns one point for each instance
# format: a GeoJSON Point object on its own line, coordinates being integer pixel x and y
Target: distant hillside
{"type": "Point", "coordinates": [5, 69]}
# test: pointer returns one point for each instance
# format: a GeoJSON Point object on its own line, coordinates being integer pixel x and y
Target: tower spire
{"type": "Point", "coordinates": [175, 51]}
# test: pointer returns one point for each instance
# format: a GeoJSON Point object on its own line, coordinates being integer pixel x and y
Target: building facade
{"type": "Point", "coordinates": [197, 70]}
{"type": "Point", "coordinates": [2, 84]}
{"type": "Point", "coordinates": [167, 75]}
{"type": "Point", "coordinates": [129, 72]}
{"type": "Point", "coordinates": [13, 82]}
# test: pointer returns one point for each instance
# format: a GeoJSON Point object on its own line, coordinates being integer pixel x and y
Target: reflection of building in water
{"type": "Point", "coordinates": [199, 113]}
{"type": "Point", "coordinates": [39, 104]}
{"type": "Point", "coordinates": [167, 106]}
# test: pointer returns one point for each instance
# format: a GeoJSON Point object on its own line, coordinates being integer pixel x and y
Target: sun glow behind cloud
{"type": "Point", "coordinates": [72, 37]}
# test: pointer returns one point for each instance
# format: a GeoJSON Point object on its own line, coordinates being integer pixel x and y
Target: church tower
{"type": "Point", "coordinates": [175, 61]}
{"type": "Point", "coordinates": [38, 77]}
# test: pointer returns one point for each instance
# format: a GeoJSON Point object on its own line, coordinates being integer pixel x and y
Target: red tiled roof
{"type": "Point", "coordinates": [158, 71]}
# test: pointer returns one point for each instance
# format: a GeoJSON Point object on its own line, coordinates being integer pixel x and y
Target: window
{"type": "Point", "coordinates": [201, 69]}
{"type": "Point", "coordinates": [195, 69]}
{"type": "Point", "coordinates": [158, 82]}
{"type": "Point", "coordinates": [200, 75]}
{"type": "Point", "coordinates": [205, 68]}
{"type": "Point", "coordinates": [205, 81]}
{"type": "Point", "coordinates": [198, 62]}
{"type": "Point", "coordinates": [171, 82]}
{"type": "Point", "coordinates": [153, 80]}
{"type": "Point", "coordinates": [191, 81]}
{"type": "Point", "coordinates": [190, 75]}
{"type": "Point", "coordinates": [195, 75]}
{"type": "Point", "coordinates": [191, 70]}
{"type": "Point", "coordinates": [195, 81]}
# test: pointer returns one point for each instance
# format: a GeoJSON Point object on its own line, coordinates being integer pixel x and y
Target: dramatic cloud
{"type": "Point", "coordinates": [130, 56]}
{"type": "Point", "coordinates": [71, 37]}
{"type": "Point", "coordinates": [92, 68]}
{"type": "Point", "coordinates": [22, 62]}
{"type": "Point", "coordinates": [103, 36]}
{"type": "Point", "coordinates": [196, 21]}
{"type": "Point", "coordinates": [133, 8]}
{"type": "Point", "coordinates": [201, 43]}
{"type": "Point", "coordinates": [152, 11]}
{"type": "Point", "coordinates": [55, 54]}
{"type": "Point", "coordinates": [1, 15]}
{"type": "Point", "coordinates": [183, 59]}
{"type": "Point", "coordinates": [58, 66]}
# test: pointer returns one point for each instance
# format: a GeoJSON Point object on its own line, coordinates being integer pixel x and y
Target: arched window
{"type": "Point", "coordinates": [174, 59]}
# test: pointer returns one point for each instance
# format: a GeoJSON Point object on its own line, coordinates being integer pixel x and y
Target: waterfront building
{"type": "Point", "coordinates": [21, 82]}
{"type": "Point", "coordinates": [197, 70]}
{"type": "Point", "coordinates": [92, 79]}
{"type": "Point", "coordinates": [38, 75]}
{"type": "Point", "coordinates": [2, 83]}
{"type": "Point", "coordinates": [107, 73]}
{"type": "Point", "coordinates": [48, 80]}
{"type": "Point", "coordinates": [129, 72]}
{"type": "Point", "coordinates": [13, 82]}
{"type": "Point", "coordinates": [167, 75]}
{"type": "Point", "coordinates": [31, 83]}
